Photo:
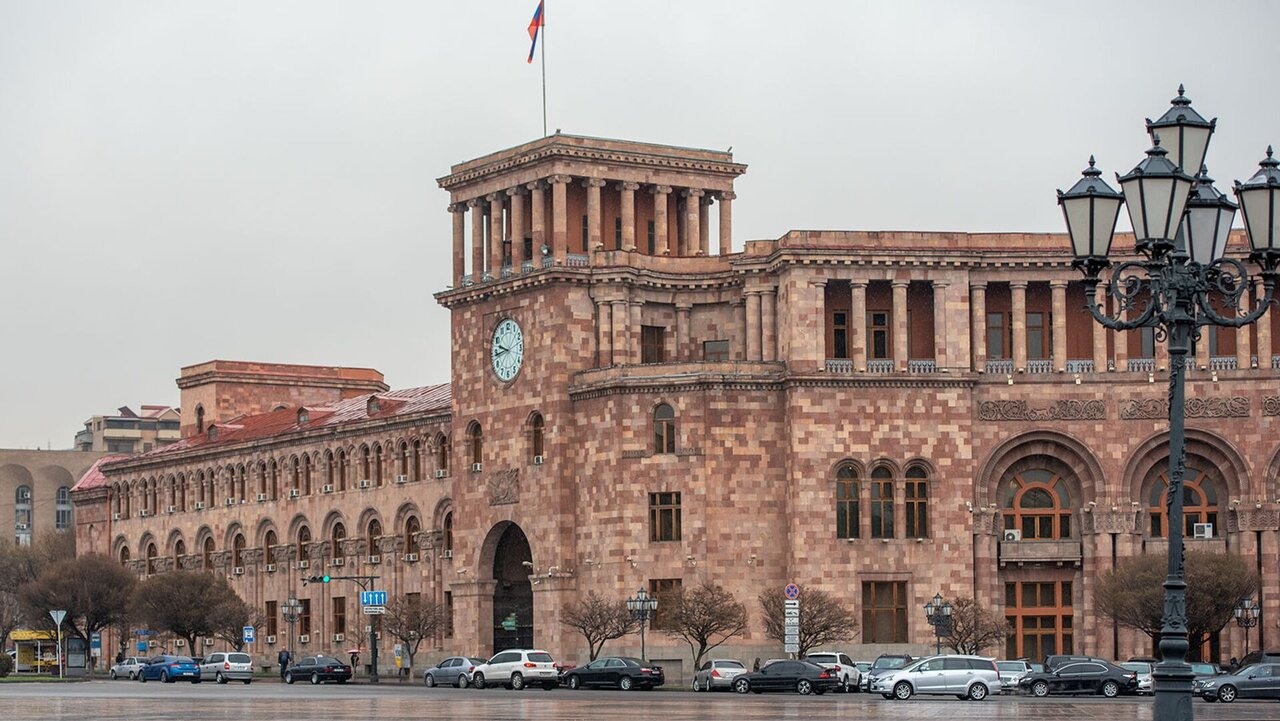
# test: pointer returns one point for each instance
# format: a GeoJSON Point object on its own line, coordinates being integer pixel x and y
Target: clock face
{"type": "Point", "coordinates": [507, 350]}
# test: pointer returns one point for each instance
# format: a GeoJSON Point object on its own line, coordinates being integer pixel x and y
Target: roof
{"type": "Point", "coordinates": [93, 477]}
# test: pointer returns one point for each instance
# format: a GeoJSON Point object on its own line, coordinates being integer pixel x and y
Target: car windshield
{"type": "Point", "coordinates": [1202, 669]}
{"type": "Point", "coordinates": [540, 657]}
{"type": "Point", "coordinates": [729, 664]}
{"type": "Point", "coordinates": [181, 659]}
{"type": "Point", "coordinates": [1011, 666]}
{"type": "Point", "coordinates": [889, 662]}
{"type": "Point", "coordinates": [327, 661]}
{"type": "Point", "coordinates": [1136, 666]}
{"type": "Point", "coordinates": [239, 658]}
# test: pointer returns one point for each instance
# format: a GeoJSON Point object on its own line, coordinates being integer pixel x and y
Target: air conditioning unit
{"type": "Point", "coordinates": [338, 638]}
{"type": "Point", "coordinates": [1012, 534]}
{"type": "Point", "coordinates": [229, 502]}
{"type": "Point", "coordinates": [441, 473]}
{"type": "Point", "coordinates": [537, 460]}
{"type": "Point", "coordinates": [326, 488]}
{"type": "Point", "coordinates": [304, 563]}
{"type": "Point", "coordinates": [237, 571]}
{"type": "Point", "coordinates": [271, 640]}
{"type": "Point", "coordinates": [179, 643]}
{"type": "Point", "coordinates": [339, 561]}
{"type": "Point", "coordinates": [262, 498]}
{"type": "Point", "coordinates": [151, 644]}
{"type": "Point", "coordinates": [22, 526]}
{"type": "Point", "coordinates": [477, 467]}
{"type": "Point", "coordinates": [271, 568]}
{"type": "Point", "coordinates": [304, 638]}
{"type": "Point", "coordinates": [447, 554]}
{"type": "Point", "coordinates": [115, 516]}
{"type": "Point", "coordinates": [375, 559]}
{"type": "Point", "coordinates": [411, 558]}
{"type": "Point", "coordinates": [199, 505]}
{"type": "Point", "coordinates": [208, 642]}
{"type": "Point", "coordinates": [144, 513]}
{"type": "Point", "coordinates": [173, 509]}
{"type": "Point", "coordinates": [364, 483]}
{"type": "Point", "coordinates": [1202, 530]}
{"type": "Point", "coordinates": [294, 493]}
{"type": "Point", "coordinates": [402, 479]}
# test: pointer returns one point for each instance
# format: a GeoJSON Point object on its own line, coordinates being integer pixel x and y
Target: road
{"type": "Point", "coordinates": [131, 701]}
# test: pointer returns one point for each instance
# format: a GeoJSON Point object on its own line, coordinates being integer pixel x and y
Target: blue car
{"type": "Point", "coordinates": [169, 669]}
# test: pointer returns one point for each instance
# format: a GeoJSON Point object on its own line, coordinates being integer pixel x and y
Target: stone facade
{"type": "Point", "coordinates": [35, 490]}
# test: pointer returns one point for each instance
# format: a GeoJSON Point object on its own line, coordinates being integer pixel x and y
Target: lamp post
{"type": "Point", "coordinates": [1247, 613]}
{"type": "Point", "coordinates": [291, 611]}
{"type": "Point", "coordinates": [1178, 282]}
{"type": "Point", "coordinates": [643, 607]}
{"type": "Point", "coordinates": [938, 612]}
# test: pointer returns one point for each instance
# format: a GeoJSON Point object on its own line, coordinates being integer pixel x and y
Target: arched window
{"type": "Point", "coordinates": [403, 460]}
{"type": "Point", "coordinates": [179, 550]}
{"type": "Point", "coordinates": [374, 536]}
{"type": "Point", "coordinates": [342, 470]}
{"type": "Point", "coordinates": [537, 427]}
{"type": "Point", "coordinates": [154, 495]}
{"type": "Point", "coordinates": [412, 527]}
{"type": "Point", "coordinates": [124, 555]}
{"type": "Point", "coordinates": [237, 551]}
{"type": "Point", "coordinates": [916, 491]}
{"type": "Point", "coordinates": [304, 540]}
{"type": "Point", "coordinates": [151, 558]}
{"type": "Point", "coordinates": [417, 459]}
{"type": "Point", "coordinates": [275, 480]}
{"type": "Point", "coordinates": [1199, 503]}
{"type": "Point", "coordinates": [306, 475]}
{"type": "Point", "coordinates": [1037, 503]}
{"type": "Point", "coordinates": [199, 419]}
{"type": "Point", "coordinates": [22, 515]}
{"type": "Point", "coordinates": [448, 532]}
{"type": "Point", "coordinates": [882, 503]}
{"type": "Point", "coordinates": [377, 464]}
{"type": "Point", "coordinates": [296, 481]}
{"type": "Point", "coordinates": [329, 469]}
{"type": "Point", "coordinates": [475, 445]}
{"type": "Point", "coordinates": [848, 496]}
{"type": "Point", "coordinates": [664, 429]}
{"type": "Point", "coordinates": [206, 554]}
{"type": "Point", "coordinates": [240, 484]}
{"type": "Point", "coordinates": [336, 537]}
{"type": "Point", "coordinates": [269, 541]}
{"type": "Point", "coordinates": [442, 453]}
{"type": "Point", "coordinates": [182, 492]}
{"type": "Point", "coordinates": [365, 459]}
{"type": "Point", "coordinates": [62, 521]}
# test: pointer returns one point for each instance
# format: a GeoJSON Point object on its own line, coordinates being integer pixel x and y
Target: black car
{"type": "Point", "coordinates": [803, 677]}
{"type": "Point", "coordinates": [1092, 676]}
{"type": "Point", "coordinates": [884, 663]}
{"type": "Point", "coordinates": [1260, 656]}
{"type": "Point", "coordinates": [1052, 663]}
{"type": "Point", "coordinates": [614, 672]}
{"type": "Point", "coordinates": [318, 669]}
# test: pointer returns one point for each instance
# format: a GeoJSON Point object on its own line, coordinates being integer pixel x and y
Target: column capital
{"type": "Point", "coordinates": [707, 199]}
{"type": "Point", "coordinates": [727, 195]}
{"type": "Point", "coordinates": [660, 189]}
{"type": "Point", "coordinates": [593, 183]}
{"type": "Point", "coordinates": [684, 307]}
{"type": "Point", "coordinates": [858, 283]}
{"type": "Point", "coordinates": [493, 197]}
{"type": "Point", "coordinates": [475, 202]}
{"type": "Point", "coordinates": [1019, 284]}
{"type": "Point", "coordinates": [940, 283]}
{"type": "Point", "coordinates": [456, 207]}
{"type": "Point", "coordinates": [692, 192]}
{"type": "Point", "coordinates": [628, 185]}
{"type": "Point", "coordinates": [977, 285]}
{"type": "Point", "coordinates": [559, 179]}
{"type": "Point", "coordinates": [536, 185]}
{"type": "Point", "coordinates": [900, 283]}
{"type": "Point", "coordinates": [1058, 283]}
{"type": "Point", "coordinates": [518, 190]}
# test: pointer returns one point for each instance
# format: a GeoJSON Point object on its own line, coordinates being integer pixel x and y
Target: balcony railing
{"type": "Point", "coordinates": [1079, 366]}
{"type": "Point", "coordinates": [578, 260]}
{"type": "Point", "coordinates": [839, 365]}
{"type": "Point", "coordinates": [880, 365]}
{"type": "Point", "coordinates": [1275, 362]}
{"type": "Point", "coordinates": [1040, 366]}
{"type": "Point", "coordinates": [999, 365]}
{"type": "Point", "coordinates": [1144, 365]}
{"type": "Point", "coordinates": [1222, 363]}
{"type": "Point", "coordinates": [1060, 551]}
{"type": "Point", "coordinates": [922, 366]}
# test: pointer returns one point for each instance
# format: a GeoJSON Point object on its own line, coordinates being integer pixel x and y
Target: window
{"type": "Point", "coordinates": [365, 464]}
{"type": "Point", "coordinates": [664, 517]}
{"type": "Point", "coordinates": [374, 536]}
{"type": "Point", "coordinates": [916, 490]}
{"type": "Point", "coordinates": [448, 614]}
{"type": "Point", "coordinates": [652, 344]}
{"type": "Point", "coordinates": [377, 464]}
{"type": "Point", "coordinates": [997, 333]}
{"type": "Point", "coordinates": [585, 227]}
{"type": "Point", "coordinates": [272, 618]}
{"type": "Point", "coordinates": [120, 446]}
{"type": "Point", "coordinates": [151, 558]}
{"type": "Point", "coordinates": [269, 541]}
{"type": "Point", "coordinates": [878, 334]}
{"type": "Point", "coordinates": [417, 459]}
{"type": "Point", "coordinates": [206, 554]}
{"type": "Point", "coordinates": [537, 426]}
{"type": "Point", "coordinates": [1199, 502]}
{"type": "Point", "coordinates": [336, 537]}
{"type": "Point", "coordinates": [715, 350]}
{"type": "Point", "coordinates": [237, 551]}
{"type": "Point", "coordinates": [199, 419]}
{"type": "Point", "coordinates": [881, 503]}
{"type": "Point", "coordinates": [1038, 503]}
{"type": "Point", "coordinates": [848, 517]}
{"type": "Point", "coordinates": [1147, 343]}
{"type": "Point", "coordinates": [884, 611]}
{"type": "Point", "coordinates": [339, 614]}
{"type": "Point", "coordinates": [475, 443]}
{"type": "Point", "coordinates": [653, 239]}
{"type": "Point", "coordinates": [304, 540]}
{"type": "Point", "coordinates": [665, 590]}
{"type": "Point", "coordinates": [617, 232]}
{"type": "Point", "coordinates": [179, 550]}
{"type": "Point", "coordinates": [840, 334]}
{"type": "Point", "coordinates": [1039, 617]}
{"type": "Point", "coordinates": [306, 476]}
{"type": "Point", "coordinates": [403, 460]}
{"type": "Point", "coordinates": [304, 617]}
{"type": "Point", "coordinates": [664, 429]}
{"type": "Point", "coordinates": [22, 515]}
{"type": "Point", "coordinates": [442, 453]}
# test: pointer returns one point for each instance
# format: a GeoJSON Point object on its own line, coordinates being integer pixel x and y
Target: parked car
{"type": "Point", "coordinates": [169, 669]}
{"type": "Point", "coordinates": [618, 672]}
{"type": "Point", "coordinates": [227, 666]}
{"type": "Point", "coordinates": [803, 677]}
{"type": "Point", "coordinates": [884, 663]}
{"type": "Point", "coordinates": [1260, 656]}
{"type": "Point", "coordinates": [317, 670]}
{"type": "Point", "coordinates": [1261, 680]}
{"type": "Point", "coordinates": [1010, 673]}
{"type": "Point", "coordinates": [517, 668]}
{"type": "Point", "coordinates": [846, 671]}
{"type": "Point", "coordinates": [1206, 670]}
{"type": "Point", "coordinates": [1092, 676]}
{"type": "Point", "coordinates": [717, 673]}
{"type": "Point", "coordinates": [971, 677]}
{"type": "Point", "coordinates": [1143, 669]}
{"type": "Point", "coordinates": [129, 667]}
{"type": "Point", "coordinates": [455, 670]}
{"type": "Point", "coordinates": [1055, 662]}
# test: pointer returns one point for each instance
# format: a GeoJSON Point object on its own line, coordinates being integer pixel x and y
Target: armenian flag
{"type": "Point", "coordinates": [534, 26]}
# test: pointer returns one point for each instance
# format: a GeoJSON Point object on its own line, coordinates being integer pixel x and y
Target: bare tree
{"type": "Point", "coordinates": [23, 564]}
{"type": "Point", "coordinates": [187, 604]}
{"type": "Point", "coordinates": [229, 619]}
{"type": "Point", "coordinates": [94, 591]}
{"type": "Point", "coordinates": [823, 618]}
{"type": "Point", "coordinates": [598, 620]}
{"type": "Point", "coordinates": [412, 619]}
{"type": "Point", "coordinates": [705, 616]}
{"type": "Point", "coordinates": [973, 627]}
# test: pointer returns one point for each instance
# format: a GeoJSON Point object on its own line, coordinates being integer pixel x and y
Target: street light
{"type": "Point", "coordinates": [939, 614]}
{"type": "Point", "coordinates": [1177, 285]}
{"type": "Point", "coordinates": [1247, 613]}
{"type": "Point", "coordinates": [643, 607]}
{"type": "Point", "coordinates": [291, 611]}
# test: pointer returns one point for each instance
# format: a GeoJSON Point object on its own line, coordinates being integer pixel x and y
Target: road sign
{"type": "Point", "coordinates": [791, 612]}
{"type": "Point", "coordinates": [373, 598]}
{"type": "Point", "coordinates": [791, 619]}
{"type": "Point", "coordinates": [248, 634]}
{"type": "Point", "coordinates": [792, 591]}
{"type": "Point", "coordinates": [142, 646]}
{"type": "Point", "coordinates": [509, 623]}
{"type": "Point", "coordinates": [143, 632]}
{"type": "Point", "coordinates": [374, 610]}
{"type": "Point", "coordinates": [57, 616]}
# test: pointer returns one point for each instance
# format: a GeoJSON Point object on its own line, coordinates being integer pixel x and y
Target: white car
{"type": "Point", "coordinates": [128, 668]}
{"type": "Point", "coordinates": [227, 666]}
{"type": "Point", "coordinates": [516, 669]}
{"type": "Point", "coordinates": [844, 666]}
{"type": "Point", "coordinates": [717, 673]}
{"type": "Point", "coordinates": [1144, 669]}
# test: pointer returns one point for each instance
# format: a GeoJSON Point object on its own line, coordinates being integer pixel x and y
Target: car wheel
{"type": "Point", "coordinates": [478, 681]}
{"type": "Point", "coordinates": [288, 678]}
{"type": "Point", "coordinates": [142, 677]}
{"type": "Point", "coordinates": [315, 679]}
{"type": "Point", "coordinates": [220, 678]}
{"type": "Point", "coordinates": [164, 677]}
{"type": "Point", "coordinates": [574, 683]}
{"type": "Point", "coordinates": [1039, 689]}
{"type": "Point", "coordinates": [517, 682]}
{"type": "Point", "coordinates": [1110, 689]}
{"type": "Point", "coordinates": [462, 681]}
{"type": "Point", "coordinates": [804, 687]}
{"type": "Point", "coordinates": [695, 685]}
{"type": "Point", "coordinates": [624, 683]}
{"type": "Point", "coordinates": [430, 681]}
{"type": "Point", "coordinates": [977, 692]}
{"type": "Point", "coordinates": [902, 691]}
{"type": "Point", "coordinates": [1227, 693]}
{"type": "Point", "coordinates": [113, 674]}
{"type": "Point", "coordinates": [741, 685]}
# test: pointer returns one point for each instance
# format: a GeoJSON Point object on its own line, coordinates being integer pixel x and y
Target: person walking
{"type": "Point", "coordinates": [283, 658]}
{"type": "Point", "coordinates": [355, 662]}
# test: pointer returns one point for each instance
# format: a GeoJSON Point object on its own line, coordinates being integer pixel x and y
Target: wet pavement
{"type": "Point", "coordinates": [122, 700]}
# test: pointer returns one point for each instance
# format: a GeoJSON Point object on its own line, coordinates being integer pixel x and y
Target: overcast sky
{"type": "Point", "coordinates": [183, 181]}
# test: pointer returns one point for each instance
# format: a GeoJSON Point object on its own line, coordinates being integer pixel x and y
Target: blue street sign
{"type": "Point", "coordinates": [143, 632]}
{"type": "Point", "coordinates": [248, 634]}
{"type": "Point", "coordinates": [142, 646]}
{"type": "Point", "coordinates": [373, 598]}
{"type": "Point", "coordinates": [95, 641]}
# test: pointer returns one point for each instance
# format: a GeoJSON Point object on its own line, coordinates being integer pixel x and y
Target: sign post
{"type": "Point", "coordinates": [373, 603]}
{"type": "Point", "coordinates": [57, 617]}
{"type": "Point", "coordinates": [791, 619]}
{"type": "Point", "coordinates": [248, 634]}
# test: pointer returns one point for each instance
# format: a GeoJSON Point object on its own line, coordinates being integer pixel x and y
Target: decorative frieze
{"type": "Point", "coordinates": [1253, 519]}
{"type": "Point", "coordinates": [1271, 405]}
{"type": "Point", "coordinates": [1158, 408]}
{"type": "Point", "coordinates": [504, 487]}
{"type": "Point", "coordinates": [1062, 410]}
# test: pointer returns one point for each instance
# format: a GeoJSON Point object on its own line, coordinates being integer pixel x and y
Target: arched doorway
{"type": "Point", "coordinates": [512, 591]}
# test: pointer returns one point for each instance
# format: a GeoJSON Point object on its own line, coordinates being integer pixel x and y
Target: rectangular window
{"type": "Point", "coordinates": [884, 611]}
{"type": "Point", "coordinates": [448, 614]}
{"type": "Point", "coordinates": [1147, 342]}
{"type": "Point", "coordinates": [663, 589]}
{"type": "Point", "coordinates": [917, 501]}
{"type": "Point", "coordinates": [664, 516]}
{"type": "Point", "coordinates": [1039, 615]}
{"type": "Point", "coordinates": [584, 234]}
{"type": "Point", "coordinates": [715, 350]}
{"type": "Point", "coordinates": [997, 331]}
{"type": "Point", "coordinates": [304, 617]}
{"type": "Point", "coordinates": [653, 344]}
{"type": "Point", "coordinates": [272, 618]}
{"type": "Point", "coordinates": [653, 239]}
{"type": "Point", "coordinates": [617, 232]}
{"type": "Point", "coordinates": [1038, 336]}
{"type": "Point", "coordinates": [339, 614]}
{"type": "Point", "coordinates": [848, 515]}
{"type": "Point", "coordinates": [878, 334]}
{"type": "Point", "coordinates": [839, 334]}
{"type": "Point", "coordinates": [881, 508]}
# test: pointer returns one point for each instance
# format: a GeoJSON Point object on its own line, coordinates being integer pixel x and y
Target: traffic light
{"type": "Point", "coordinates": [315, 579]}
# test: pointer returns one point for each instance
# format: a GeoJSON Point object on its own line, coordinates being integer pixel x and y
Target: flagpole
{"type": "Point", "coordinates": [544, 68]}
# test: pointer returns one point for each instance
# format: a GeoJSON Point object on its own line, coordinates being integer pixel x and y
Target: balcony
{"type": "Point", "coordinates": [839, 365]}
{"type": "Point", "coordinates": [1222, 363]}
{"type": "Point", "coordinates": [1160, 546]}
{"type": "Point", "coordinates": [680, 373]}
{"type": "Point", "coordinates": [922, 366]}
{"type": "Point", "coordinates": [1079, 366]}
{"type": "Point", "coordinates": [1040, 366]}
{"type": "Point", "coordinates": [577, 260]}
{"type": "Point", "coordinates": [880, 365]}
{"type": "Point", "coordinates": [1141, 365]}
{"type": "Point", "coordinates": [999, 366]}
{"type": "Point", "coordinates": [1061, 552]}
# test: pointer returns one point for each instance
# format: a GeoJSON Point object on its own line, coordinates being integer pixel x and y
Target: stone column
{"type": "Point", "coordinates": [593, 186]}
{"type": "Point", "coordinates": [477, 239]}
{"type": "Point", "coordinates": [621, 334]}
{"type": "Point", "coordinates": [858, 324]}
{"type": "Point", "coordinates": [628, 195]}
{"type": "Point", "coordinates": [604, 333]}
{"type": "Point", "coordinates": [683, 351]}
{"type": "Point", "coordinates": [704, 224]}
{"type": "Point", "coordinates": [768, 324]}
{"type": "Point", "coordinates": [1264, 328]}
{"type": "Point", "coordinates": [637, 354]}
{"type": "Point", "coordinates": [1018, 290]}
{"type": "Point", "coordinates": [496, 228]}
{"type": "Point", "coordinates": [941, 356]}
{"type": "Point", "coordinates": [1244, 344]}
{"type": "Point", "coordinates": [559, 218]}
{"type": "Point", "coordinates": [692, 213]}
{"type": "Point", "coordinates": [1100, 354]}
{"type": "Point", "coordinates": [1202, 350]}
{"type": "Point", "coordinates": [537, 220]}
{"type": "Point", "coordinates": [740, 307]}
{"type": "Point", "coordinates": [753, 325]}
{"type": "Point", "coordinates": [978, 319]}
{"type": "Point", "coordinates": [1058, 293]}
{"type": "Point", "coordinates": [901, 353]}
{"type": "Point", "coordinates": [726, 221]}
{"type": "Point", "coordinates": [459, 213]}
{"type": "Point", "coordinates": [660, 244]}
{"type": "Point", "coordinates": [517, 229]}
{"type": "Point", "coordinates": [1162, 353]}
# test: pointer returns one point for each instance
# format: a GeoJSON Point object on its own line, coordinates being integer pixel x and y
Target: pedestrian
{"type": "Point", "coordinates": [1235, 664]}
{"type": "Point", "coordinates": [120, 656]}
{"type": "Point", "coordinates": [355, 661]}
{"type": "Point", "coordinates": [283, 658]}
{"type": "Point", "coordinates": [756, 666]}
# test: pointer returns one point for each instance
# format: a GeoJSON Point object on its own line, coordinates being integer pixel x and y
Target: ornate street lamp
{"type": "Point", "coordinates": [939, 614]}
{"type": "Point", "coordinates": [1247, 613]}
{"type": "Point", "coordinates": [291, 611]}
{"type": "Point", "coordinates": [643, 607]}
{"type": "Point", "coordinates": [1176, 286]}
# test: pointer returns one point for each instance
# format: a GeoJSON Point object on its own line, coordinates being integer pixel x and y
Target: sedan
{"type": "Point", "coordinates": [223, 667]}
{"type": "Point", "coordinates": [454, 670]}
{"type": "Point", "coordinates": [717, 673]}
{"type": "Point", "coordinates": [620, 672]}
{"type": "Point", "coordinates": [318, 669]}
{"type": "Point", "coordinates": [129, 667]}
{"type": "Point", "coordinates": [1092, 677]}
{"type": "Point", "coordinates": [1261, 680]}
{"type": "Point", "coordinates": [802, 677]}
{"type": "Point", "coordinates": [169, 669]}
{"type": "Point", "coordinates": [1144, 670]}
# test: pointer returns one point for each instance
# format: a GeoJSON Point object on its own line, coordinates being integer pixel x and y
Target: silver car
{"type": "Point", "coordinates": [717, 673]}
{"type": "Point", "coordinates": [1011, 672]}
{"type": "Point", "coordinates": [965, 677]}
{"type": "Point", "coordinates": [840, 663]}
{"type": "Point", "coordinates": [227, 666]}
{"type": "Point", "coordinates": [455, 670]}
{"type": "Point", "coordinates": [1144, 670]}
{"type": "Point", "coordinates": [128, 668]}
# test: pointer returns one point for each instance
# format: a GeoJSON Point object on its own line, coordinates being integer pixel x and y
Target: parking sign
{"type": "Point", "coordinates": [248, 634]}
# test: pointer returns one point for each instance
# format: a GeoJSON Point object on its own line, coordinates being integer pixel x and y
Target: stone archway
{"type": "Point", "coordinates": [512, 590]}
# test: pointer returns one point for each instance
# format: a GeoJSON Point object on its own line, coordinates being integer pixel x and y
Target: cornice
{"type": "Point", "coordinates": [556, 150]}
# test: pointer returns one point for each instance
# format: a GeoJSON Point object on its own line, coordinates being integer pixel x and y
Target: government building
{"type": "Point", "coordinates": [639, 399]}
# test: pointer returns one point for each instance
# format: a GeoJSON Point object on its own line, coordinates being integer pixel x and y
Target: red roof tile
{"type": "Point", "coordinates": [93, 477]}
